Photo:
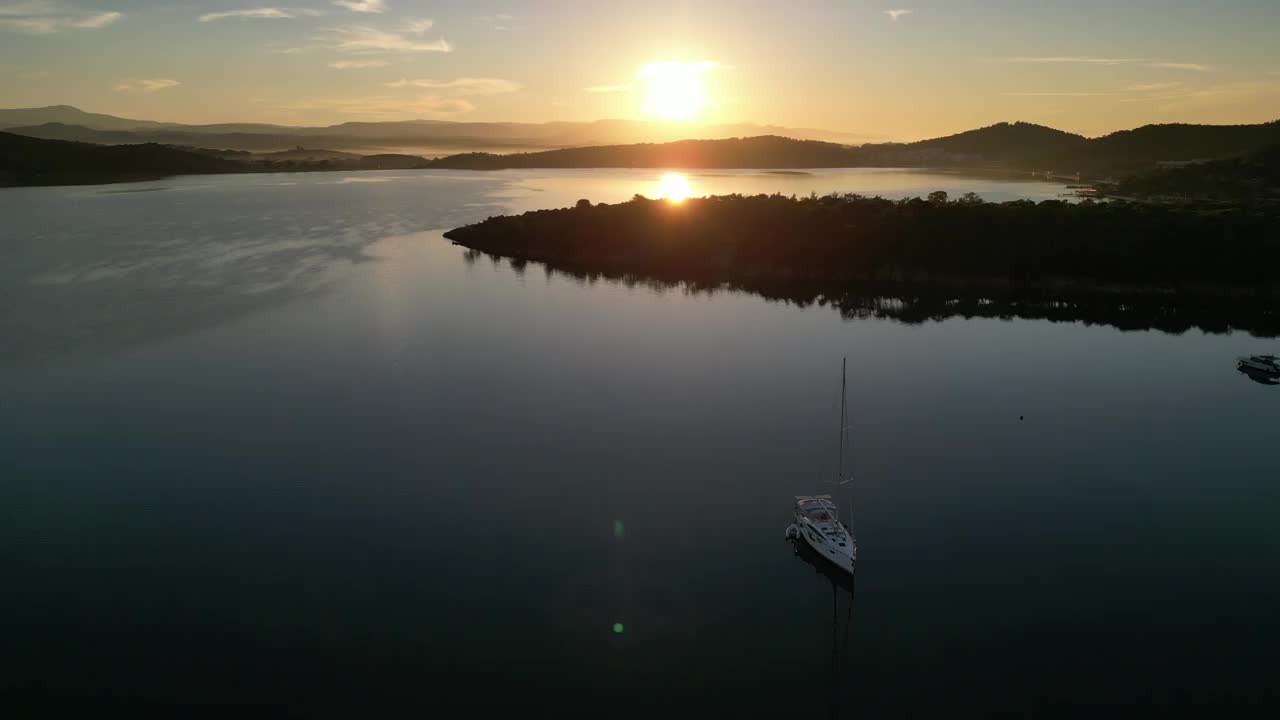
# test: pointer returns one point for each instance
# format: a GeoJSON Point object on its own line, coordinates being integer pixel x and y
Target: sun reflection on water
{"type": "Point", "coordinates": [674, 187]}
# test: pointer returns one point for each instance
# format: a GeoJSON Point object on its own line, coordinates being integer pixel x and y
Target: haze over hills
{"type": "Point", "coordinates": [1016, 146]}
{"type": "Point", "coordinates": [36, 161]}
{"type": "Point", "coordinates": [68, 115]}
{"type": "Point", "coordinates": [1005, 146]}
{"type": "Point", "coordinates": [63, 122]}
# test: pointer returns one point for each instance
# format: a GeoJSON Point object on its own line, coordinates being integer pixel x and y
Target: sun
{"type": "Point", "coordinates": [675, 90]}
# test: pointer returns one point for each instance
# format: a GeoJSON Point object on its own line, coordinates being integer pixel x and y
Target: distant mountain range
{"type": "Point", "coordinates": [27, 159]}
{"type": "Point", "coordinates": [767, 151]}
{"type": "Point", "coordinates": [1014, 146]}
{"type": "Point", "coordinates": [36, 161]}
{"type": "Point", "coordinates": [63, 122]}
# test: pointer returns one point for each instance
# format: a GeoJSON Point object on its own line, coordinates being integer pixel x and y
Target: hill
{"type": "Point", "coordinates": [68, 115]}
{"type": "Point", "coordinates": [63, 122]}
{"type": "Point", "coordinates": [32, 161]}
{"type": "Point", "coordinates": [755, 152]}
{"type": "Point", "coordinates": [1254, 177]}
{"type": "Point", "coordinates": [1008, 146]}
{"type": "Point", "coordinates": [1141, 148]}
{"type": "Point", "coordinates": [257, 139]}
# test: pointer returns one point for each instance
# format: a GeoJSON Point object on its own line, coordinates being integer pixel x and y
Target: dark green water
{"type": "Point", "coordinates": [270, 447]}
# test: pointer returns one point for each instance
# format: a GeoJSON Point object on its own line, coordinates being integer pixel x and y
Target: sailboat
{"type": "Point", "coordinates": [817, 519]}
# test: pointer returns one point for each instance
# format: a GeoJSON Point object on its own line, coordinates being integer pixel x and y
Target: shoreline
{"type": "Point", "coordinates": [1103, 262]}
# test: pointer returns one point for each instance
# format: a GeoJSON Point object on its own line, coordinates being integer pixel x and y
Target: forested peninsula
{"type": "Point", "coordinates": [1126, 264]}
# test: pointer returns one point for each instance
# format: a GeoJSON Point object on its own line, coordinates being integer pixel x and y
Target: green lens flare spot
{"type": "Point", "coordinates": [617, 531]}
{"type": "Point", "coordinates": [617, 628]}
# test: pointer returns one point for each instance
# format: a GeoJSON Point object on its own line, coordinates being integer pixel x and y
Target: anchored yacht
{"type": "Point", "coordinates": [818, 525]}
{"type": "Point", "coordinates": [817, 520]}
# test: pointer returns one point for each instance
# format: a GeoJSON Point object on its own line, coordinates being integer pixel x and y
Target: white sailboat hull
{"type": "Point", "coordinates": [829, 539]}
{"type": "Point", "coordinates": [840, 560]}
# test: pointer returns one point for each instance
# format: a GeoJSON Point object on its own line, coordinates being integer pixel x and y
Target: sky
{"type": "Point", "coordinates": [897, 70]}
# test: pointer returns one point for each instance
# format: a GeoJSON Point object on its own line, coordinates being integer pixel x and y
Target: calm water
{"type": "Point", "coordinates": [271, 442]}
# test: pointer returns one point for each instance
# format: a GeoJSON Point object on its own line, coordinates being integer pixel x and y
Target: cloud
{"type": "Point", "coordinates": [1059, 59]}
{"type": "Point", "coordinates": [362, 6]}
{"type": "Point", "coordinates": [266, 13]}
{"type": "Point", "coordinates": [463, 86]}
{"type": "Point", "coordinates": [608, 88]}
{"type": "Point", "coordinates": [1152, 87]}
{"type": "Point", "coordinates": [895, 14]}
{"type": "Point", "coordinates": [45, 17]}
{"type": "Point", "coordinates": [499, 21]}
{"type": "Point", "coordinates": [364, 39]}
{"type": "Point", "coordinates": [1057, 94]}
{"type": "Point", "coordinates": [358, 64]}
{"type": "Point", "coordinates": [101, 20]}
{"type": "Point", "coordinates": [1197, 67]}
{"type": "Point", "coordinates": [1214, 96]}
{"type": "Point", "coordinates": [146, 86]}
{"type": "Point", "coordinates": [384, 107]}
{"type": "Point", "coordinates": [1161, 88]}
{"type": "Point", "coordinates": [421, 26]}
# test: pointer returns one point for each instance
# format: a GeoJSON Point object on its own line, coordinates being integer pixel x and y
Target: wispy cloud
{"type": "Point", "coordinates": [363, 6]}
{"type": "Point", "coordinates": [1212, 96]}
{"type": "Point", "coordinates": [1073, 59]}
{"type": "Point", "coordinates": [264, 13]}
{"type": "Point", "coordinates": [364, 39]}
{"type": "Point", "coordinates": [358, 64]}
{"type": "Point", "coordinates": [386, 107]}
{"type": "Point", "coordinates": [499, 21]}
{"type": "Point", "coordinates": [45, 17]}
{"type": "Point", "coordinates": [1057, 94]}
{"type": "Point", "coordinates": [146, 86]}
{"type": "Point", "coordinates": [895, 14]}
{"type": "Point", "coordinates": [608, 88]}
{"type": "Point", "coordinates": [101, 20]}
{"type": "Point", "coordinates": [1195, 67]}
{"type": "Point", "coordinates": [1153, 87]}
{"type": "Point", "coordinates": [420, 26]}
{"type": "Point", "coordinates": [463, 86]}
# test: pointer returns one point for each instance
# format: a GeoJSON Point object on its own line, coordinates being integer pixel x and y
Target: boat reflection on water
{"type": "Point", "coordinates": [1262, 369]}
{"type": "Point", "coordinates": [840, 581]}
{"type": "Point", "coordinates": [1261, 378]}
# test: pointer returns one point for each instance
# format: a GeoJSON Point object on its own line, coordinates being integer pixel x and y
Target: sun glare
{"type": "Point", "coordinates": [675, 89]}
{"type": "Point", "coordinates": [674, 187]}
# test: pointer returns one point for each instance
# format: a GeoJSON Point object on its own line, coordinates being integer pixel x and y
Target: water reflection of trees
{"type": "Point", "coordinates": [916, 306]}
{"type": "Point", "coordinates": [1127, 266]}
{"type": "Point", "coordinates": [917, 260]}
